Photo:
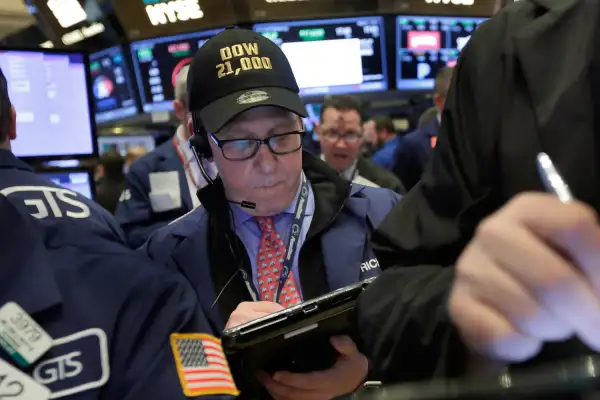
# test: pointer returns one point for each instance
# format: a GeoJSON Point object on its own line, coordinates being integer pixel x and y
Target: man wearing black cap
{"type": "Point", "coordinates": [278, 226]}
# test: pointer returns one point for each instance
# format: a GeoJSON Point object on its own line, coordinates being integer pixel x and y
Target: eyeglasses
{"type": "Point", "coordinates": [348, 137]}
{"type": "Point", "coordinates": [244, 149]}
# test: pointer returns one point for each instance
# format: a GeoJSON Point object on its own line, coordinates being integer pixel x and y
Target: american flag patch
{"type": "Point", "coordinates": [201, 365]}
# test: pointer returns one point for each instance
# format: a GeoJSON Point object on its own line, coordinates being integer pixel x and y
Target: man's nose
{"type": "Point", "coordinates": [265, 159]}
{"type": "Point", "coordinates": [340, 143]}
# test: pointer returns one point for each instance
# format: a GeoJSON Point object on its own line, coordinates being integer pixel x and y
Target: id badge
{"type": "Point", "coordinates": [21, 337]}
{"type": "Point", "coordinates": [16, 384]}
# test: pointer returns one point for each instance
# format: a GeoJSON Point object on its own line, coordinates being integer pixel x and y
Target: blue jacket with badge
{"type": "Point", "coordinates": [141, 212]}
{"type": "Point", "coordinates": [336, 252]}
{"type": "Point", "coordinates": [109, 313]}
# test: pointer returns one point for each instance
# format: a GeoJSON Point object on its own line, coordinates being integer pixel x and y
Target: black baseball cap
{"type": "Point", "coordinates": [237, 70]}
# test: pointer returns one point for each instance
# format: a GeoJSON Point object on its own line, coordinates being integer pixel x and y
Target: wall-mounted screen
{"type": "Point", "coordinates": [157, 63]}
{"type": "Point", "coordinates": [122, 144]}
{"type": "Point", "coordinates": [426, 44]}
{"type": "Point", "coordinates": [333, 56]}
{"type": "Point", "coordinates": [50, 92]}
{"type": "Point", "coordinates": [80, 181]}
{"type": "Point", "coordinates": [111, 84]}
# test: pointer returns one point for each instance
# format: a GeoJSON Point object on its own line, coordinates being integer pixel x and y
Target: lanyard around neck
{"type": "Point", "coordinates": [292, 246]}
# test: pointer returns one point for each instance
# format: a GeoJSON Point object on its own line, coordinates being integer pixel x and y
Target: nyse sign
{"type": "Point", "coordinates": [170, 12]}
{"type": "Point", "coordinates": [452, 2]}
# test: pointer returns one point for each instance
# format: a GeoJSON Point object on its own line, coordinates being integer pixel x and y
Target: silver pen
{"type": "Point", "coordinates": [552, 179]}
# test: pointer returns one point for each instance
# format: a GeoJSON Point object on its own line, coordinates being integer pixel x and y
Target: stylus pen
{"type": "Point", "coordinates": [552, 179]}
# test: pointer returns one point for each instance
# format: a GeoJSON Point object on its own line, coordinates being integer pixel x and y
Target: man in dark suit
{"type": "Point", "coordinates": [414, 150]}
{"type": "Point", "coordinates": [341, 137]}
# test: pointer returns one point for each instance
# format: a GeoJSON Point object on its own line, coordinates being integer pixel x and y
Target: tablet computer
{"type": "Point", "coordinates": [295, 339]}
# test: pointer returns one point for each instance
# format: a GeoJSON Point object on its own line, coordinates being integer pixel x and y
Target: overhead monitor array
{"type": "Point", "coordinates": [114, 96]}
{"type": "Point", "coordinates": [427, 44]}
{"type": "Point", "coordinates": [333, 56]}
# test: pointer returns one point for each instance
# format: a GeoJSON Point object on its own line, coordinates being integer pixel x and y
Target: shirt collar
{"type": "Point", "coordinates": [348, 173]}
{"type": "Point", "coordinates": [241, 217]}
{"type": "Point", "coordinates": [184, 143]}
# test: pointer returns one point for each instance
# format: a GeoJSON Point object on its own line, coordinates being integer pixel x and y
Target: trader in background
{"type": "Point", "coordinates": [110, 187]}
{"type": "Point", "coordinates": [341, 136]}
{"type": "Point", "coordinates": [413, 151]}
{"type": "Point", "coordinates": [75, 298]}
{"type": "Point", "coordinates": [161, 186]}
{"type": "Point", "coordinates": [387, 141]}
{"type": "Point", "coordinates": [270, 199]}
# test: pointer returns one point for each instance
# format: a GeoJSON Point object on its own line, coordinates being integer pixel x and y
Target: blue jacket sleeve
{"type": "Point", "coordinates": [159, 306]}
{"type": "Point", "coordinates": [134, 211]}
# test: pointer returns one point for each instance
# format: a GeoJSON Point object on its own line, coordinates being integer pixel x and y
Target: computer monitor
{"type": "Point", "coordinates": [122, 144]}
{"type": "Point", "coordinates": [112, 87]}
{"type": "Point", "coordinates": [426, 44]}
{"type": "Point", "coordinates": [313, 111]}
{"type": "Point", "coordinates": [157, 63]}
{"type": "Point", "coordinates": [333, 56]}
{"type": "Point", "coordinates": [50, 92]}
{"type": "Point", "coordinates": [77, 180]}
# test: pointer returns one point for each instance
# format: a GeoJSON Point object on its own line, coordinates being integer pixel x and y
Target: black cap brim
{"type": "Point", "coordinates": [218, 113]}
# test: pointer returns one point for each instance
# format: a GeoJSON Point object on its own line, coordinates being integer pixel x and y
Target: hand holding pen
{"type": "Point", "coordinates": [530, 275]}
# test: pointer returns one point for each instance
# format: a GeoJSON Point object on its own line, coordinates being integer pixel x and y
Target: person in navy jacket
{"type": "Point", "coordinates": [113, 324]}
{"type": "Point", "coordinates": [277, 226]}
{"type": "Point", "coordinates": [161, 186]}
{"type": "Point", "coordinates": [413, 151]}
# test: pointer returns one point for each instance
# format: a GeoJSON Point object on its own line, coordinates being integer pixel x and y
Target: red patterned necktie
{"type": "Point", "coordinates": [271, 254]}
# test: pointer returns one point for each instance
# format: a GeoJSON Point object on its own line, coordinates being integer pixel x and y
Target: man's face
{"type": "Point", "coordinates": [271, 181]}
{"type": "Point", "coordinates": [341, 137]}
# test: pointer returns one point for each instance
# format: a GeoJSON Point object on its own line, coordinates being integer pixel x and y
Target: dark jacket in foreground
{"type": "Point", "coordinates": [379, 175]}
{"type": "Point", "coordinates": [522, 86]}
{"type": "Point", "coordinates": [109, 312]}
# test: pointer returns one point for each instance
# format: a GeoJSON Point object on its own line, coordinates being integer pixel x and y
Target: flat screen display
{"type": "Point", "coordinates": [333, 56]}
{"type": "Point", "coordinates": [314, 115]}
{"type": "Point", "coordinates": [77, 181]}
{"type": "Point", "coordinates": [122, 144]}
{"type": "Point", "coordinates": [427, 44]}
{"type": "Point", "coordinates": [49, 91]}
{"type": "Point", "coordinates": [157, 63]}
{"type": "Point", "coordinates": [111, 84]}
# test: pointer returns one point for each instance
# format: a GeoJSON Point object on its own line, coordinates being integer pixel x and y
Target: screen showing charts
{"type": "Point", "coordinates": [50, 94]}
{"type": "Point", "coordinates": [157, 63]}
{"type": "Point", "coordinates": [113, 93]}
{"type": "Point", "coordinates": [427, 44]}
{"type": "Point", "coordinates": [333, 56]}
{"type": "Point", "coordinates": [122, 144]}
{"type": "Point", "coordinates": [77, 181]}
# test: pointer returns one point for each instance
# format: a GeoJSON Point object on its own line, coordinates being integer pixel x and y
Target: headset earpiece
{"type": "Point", "coordinates": [199, 139]}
